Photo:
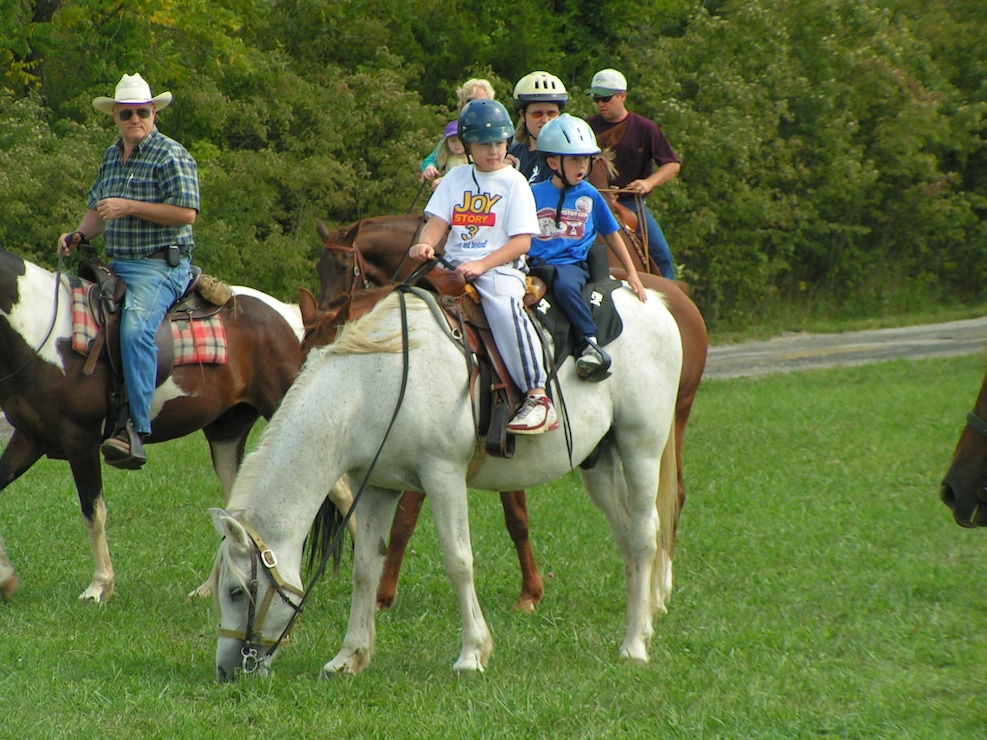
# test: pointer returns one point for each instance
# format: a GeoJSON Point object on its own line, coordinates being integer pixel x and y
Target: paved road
{"type": "Point", "coordinates": [797, 352]}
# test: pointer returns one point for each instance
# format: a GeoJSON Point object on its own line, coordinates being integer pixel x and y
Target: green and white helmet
{"type": "Point", "coordinates": [484, 121]}
{"type": "Point", "coordinates": [567, 136]}
{"type": "Point", "coordinates": [539, 87]}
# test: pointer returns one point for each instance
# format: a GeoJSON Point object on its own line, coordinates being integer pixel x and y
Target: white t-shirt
{"type": "Point", "coordinates": [483, 210]}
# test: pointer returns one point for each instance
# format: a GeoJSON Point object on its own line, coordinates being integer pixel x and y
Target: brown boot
{"type": "Point", "coordinates": [125, 449]}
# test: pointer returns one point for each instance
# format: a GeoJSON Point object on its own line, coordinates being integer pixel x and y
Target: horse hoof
{"type": "Point", "coordinates": [637, 655]}
{"type": "Point", "coordinates": [526, 605]}
{"type": "Point", "coordinates": [9, 587]}
{"type": "Point", "coordinates": [97, 594]}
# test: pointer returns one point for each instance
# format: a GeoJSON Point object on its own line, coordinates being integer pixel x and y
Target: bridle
{"type": "Point", "coordinates": [359, 269]}
{"type": "Point", "coordinates": [252, 641]}
{"type": "Point", "coordinates": [976, 423]}
{"type": "Point", "coordinates": [251, 638]}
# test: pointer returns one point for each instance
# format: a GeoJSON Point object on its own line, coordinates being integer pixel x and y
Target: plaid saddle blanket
{"type": "Point", "coordinates": [197, 341]}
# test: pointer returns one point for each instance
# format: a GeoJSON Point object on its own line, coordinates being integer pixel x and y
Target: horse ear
{"type": "Point", "coordinates": [229, 527]}
{"type": "Point", "coordinates": [322, 230]}
{"type": "Point", "coordinates": [306, 304]}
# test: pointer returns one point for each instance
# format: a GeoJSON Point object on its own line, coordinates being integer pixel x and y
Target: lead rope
{"type": "Point", "coordinates": [405, 357]}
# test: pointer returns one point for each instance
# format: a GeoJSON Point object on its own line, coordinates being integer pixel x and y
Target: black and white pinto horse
{"type": "Point", "coordinates": [345, 410]}
{"type": "Point", "coordinates": [57, 410]}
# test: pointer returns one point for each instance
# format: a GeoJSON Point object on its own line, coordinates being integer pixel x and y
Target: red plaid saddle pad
{"type": "Point", "coordinates": [197, 342]}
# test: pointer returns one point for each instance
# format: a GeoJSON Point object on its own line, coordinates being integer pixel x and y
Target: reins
{"type": "Point", "coordinates": [639, 209]}
{"type": "Point", "coordinates": [51, 326]}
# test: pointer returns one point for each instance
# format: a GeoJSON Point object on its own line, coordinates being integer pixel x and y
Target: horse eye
{"type": "Point", "coordinates": [237, 592]}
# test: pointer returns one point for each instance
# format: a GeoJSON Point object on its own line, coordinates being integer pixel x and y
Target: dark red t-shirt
{"type": "Point", "coordinates": [642, 144]}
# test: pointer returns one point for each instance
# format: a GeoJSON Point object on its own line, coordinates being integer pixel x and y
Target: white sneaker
{"type": "Point", "coordinates": [536, 415]}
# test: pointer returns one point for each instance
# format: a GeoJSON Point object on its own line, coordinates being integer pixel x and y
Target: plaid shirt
{"type": "Point", "coordinates": [159, 170]}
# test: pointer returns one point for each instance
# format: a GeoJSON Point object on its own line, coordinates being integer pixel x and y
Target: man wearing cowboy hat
{"type": "Point", "coordinates": [144, 201]}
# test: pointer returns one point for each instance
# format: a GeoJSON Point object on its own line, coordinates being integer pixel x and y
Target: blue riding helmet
{"type": "Point", "coordinates": [567, 136]}
{"type": "Point", "coordinates": [484, 121]}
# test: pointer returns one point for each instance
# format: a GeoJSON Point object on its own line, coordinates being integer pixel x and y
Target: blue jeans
{"type": "Point", "coordinates": [152, 288]}
{"type": "Point", "coordinates": [657, 244]}
{"type": "Point", "coordinates": [568, 289]}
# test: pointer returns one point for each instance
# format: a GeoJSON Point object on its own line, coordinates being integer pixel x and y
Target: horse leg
{"type": "Point", "coordinates": [451, 514]}
{"type": "Point", "coordinates": [89, 484]}
{"type": "Point", "coordinates": [18, 456]}
{"type": "Point", "coordinates": [375, 511]}
{"type": "Point", "coordinates": [629, 504]}
{"type": "Point", "coordinates": [516, 519]}
{"type": "Point", "coordinates": [342, 496]}
{"type": "Point", "coordinates": [405, 519]}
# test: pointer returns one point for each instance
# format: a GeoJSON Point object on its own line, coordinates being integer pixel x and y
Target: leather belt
{"type": "Point", "coordinates": [161, 254]}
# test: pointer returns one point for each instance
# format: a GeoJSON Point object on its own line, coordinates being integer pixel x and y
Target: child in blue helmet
{"type": "Point", "coordinates": [484, 215]}
{"type": "Point", "coordinates": [571, 213]}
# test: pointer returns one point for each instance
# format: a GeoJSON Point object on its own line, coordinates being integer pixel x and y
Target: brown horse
{"type": "Point", "coordinates": [374, 251]}
{"type": "Point", "coordinates": [964, 489]}
{"type": "Point", "coordinates": [57, 410]}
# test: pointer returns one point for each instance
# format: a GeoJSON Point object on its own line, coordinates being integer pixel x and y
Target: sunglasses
{"type": "Point", "coordinates": [539, 114]}
{"type": "Point", "coordinates": [602, 99]}
{"type": "Point", "coordinates": [127, 113]}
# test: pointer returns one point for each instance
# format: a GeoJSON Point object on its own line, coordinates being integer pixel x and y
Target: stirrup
{"type": "Point", "coordinates": [598, 373]}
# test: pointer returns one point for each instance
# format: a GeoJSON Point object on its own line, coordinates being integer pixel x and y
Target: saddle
{"type": "Point", "coordinates": [498, 396]}
{"type": "Point", "coordinates": [203, 298]}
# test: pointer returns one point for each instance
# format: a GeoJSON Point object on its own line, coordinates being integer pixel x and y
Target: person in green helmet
{"type": "Point", "coordinates": [483, 215]}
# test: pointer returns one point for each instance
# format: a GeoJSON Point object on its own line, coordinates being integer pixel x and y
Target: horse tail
{"type": "Point", "coordinates": [667, 504]}
{"type": "Point", "coordinates": [325, 538]}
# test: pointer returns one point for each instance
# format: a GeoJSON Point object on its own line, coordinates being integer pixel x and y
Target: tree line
{"type": "Point", "coordinates": [833, 150]}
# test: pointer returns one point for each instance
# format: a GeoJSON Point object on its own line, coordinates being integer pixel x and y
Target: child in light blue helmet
{"type": "Point", "coordinates": [571, 213]}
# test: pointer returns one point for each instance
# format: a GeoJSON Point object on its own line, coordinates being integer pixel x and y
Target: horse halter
{"type": "Point", "coordinates": [976, 423]}
{"type": "Point", "coordinates": [252, 641]}
{"type": "Point", "coordinates": [359, 268]}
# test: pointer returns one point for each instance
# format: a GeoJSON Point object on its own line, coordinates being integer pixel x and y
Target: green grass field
{"type": "Point", "coordinates": [821, 590]}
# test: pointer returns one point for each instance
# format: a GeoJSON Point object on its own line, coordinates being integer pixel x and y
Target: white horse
{"type": "Point", "coordinates": [333, 420]}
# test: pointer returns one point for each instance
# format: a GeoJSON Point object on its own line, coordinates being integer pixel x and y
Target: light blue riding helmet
{"type": "Point", "coordinates": [567, 136]}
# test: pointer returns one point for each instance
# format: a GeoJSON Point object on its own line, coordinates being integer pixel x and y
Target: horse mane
{"type": "Point", "coordinates": [368, 334]}
{"type": "Point", "coordinates": [363, 336]}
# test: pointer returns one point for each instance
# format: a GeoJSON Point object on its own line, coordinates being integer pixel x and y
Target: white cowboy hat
{"type": "Point", "coordinates": [131, 89]}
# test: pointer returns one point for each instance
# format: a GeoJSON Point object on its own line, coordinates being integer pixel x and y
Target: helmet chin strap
{"type": "Point", "coordinates": [566, 185]}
